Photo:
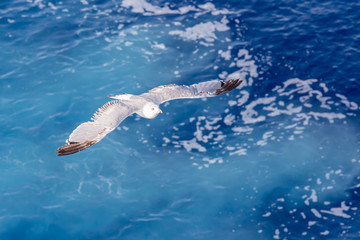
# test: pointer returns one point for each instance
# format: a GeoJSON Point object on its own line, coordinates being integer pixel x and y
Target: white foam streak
{"type": "Point", "coordinates": [209, 7]}
{"type": "Point", "coordinates": [142, 6]}
{"type": "Point", "coordinates": [148, 9]}
{"type": "Point", "coordinates": [239, 152]}
{"type": "Point", "coordinates": [250, 115]}
{"type": "Point", "coordinates": [329, 116]}
{"type": "Point", "coordinates": [265, 137]}
{"type": "Point", "coordinates": [246, 63]}
{"type": "Point", "coordinates": [240, 130]}
{"type": "Point", "coordinates": [274, 111]}
{"type": "Point", "coordinates": [229, 119]}
{"type": "Point", "coordinates": [313, 197]}
{"type": "Point", "coordinates": [339, 212]}
{"type": "Point", "coordinates": [347, 103]}
{"type": "Point", "coordinates": [247, 68]}
{"type": "Point", "coordinates": [192, 144]}
{"type": "Point", "coordinates": [202, 31]}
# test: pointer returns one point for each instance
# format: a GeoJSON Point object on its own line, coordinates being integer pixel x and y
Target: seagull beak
{"type": "Point", "coordinates": [160, 111]}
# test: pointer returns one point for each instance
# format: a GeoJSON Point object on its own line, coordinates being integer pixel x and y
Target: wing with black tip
{"type": "Point", "coordinates": [205, 89]}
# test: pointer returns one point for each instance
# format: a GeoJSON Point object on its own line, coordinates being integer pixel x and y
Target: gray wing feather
{"type": "Point", "coordinates": [205, 89]}
{"type": "Point", "coordinates": [105, 120]}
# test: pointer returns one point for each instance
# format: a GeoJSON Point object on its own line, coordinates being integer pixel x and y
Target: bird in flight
{"type": "Point", "coordinates": [109, 116]}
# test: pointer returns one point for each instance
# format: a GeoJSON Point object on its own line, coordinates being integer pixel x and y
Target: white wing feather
{"type": "Point", "coordinates": [105, 120]}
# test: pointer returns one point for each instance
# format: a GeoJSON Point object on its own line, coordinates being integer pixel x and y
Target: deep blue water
{"type": "Point", "coordinates": [277, 158]}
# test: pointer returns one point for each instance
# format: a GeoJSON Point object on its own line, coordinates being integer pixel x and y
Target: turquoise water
{"type": "Point", "coordinates": [277, 158]}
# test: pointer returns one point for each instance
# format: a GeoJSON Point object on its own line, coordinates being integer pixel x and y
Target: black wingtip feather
{"type": "Point", "coordinates": [74, 147]}
{"type": "Point", "coordinates": [228, 86]}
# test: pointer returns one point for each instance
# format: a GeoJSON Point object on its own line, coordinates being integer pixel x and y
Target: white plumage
{"type": "Point", "coordinates": [109, 116]}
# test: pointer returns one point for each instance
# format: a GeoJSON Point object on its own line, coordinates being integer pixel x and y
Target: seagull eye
{"type": "Point", "coordinates": [152, 108]}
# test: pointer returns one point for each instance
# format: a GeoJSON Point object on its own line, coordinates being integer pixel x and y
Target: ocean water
{"type": "Point", "coordinates": [277, 158]}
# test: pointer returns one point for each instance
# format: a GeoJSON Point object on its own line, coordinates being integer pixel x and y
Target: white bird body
{"type": "Point", "coordinates": [109, 116]}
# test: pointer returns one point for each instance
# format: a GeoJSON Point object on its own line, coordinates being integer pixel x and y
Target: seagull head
{"type": "Point", "coordinates": [151, 110]}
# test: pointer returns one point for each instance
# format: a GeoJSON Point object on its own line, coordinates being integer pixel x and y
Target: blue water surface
{"type": "Point", "coordinates": [277, 158]}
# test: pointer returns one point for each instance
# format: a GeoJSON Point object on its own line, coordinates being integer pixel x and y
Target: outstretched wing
{"type": "Point", "coordinates": [205, 89]}
{"type": "Point", "coordinates": [105, 120]}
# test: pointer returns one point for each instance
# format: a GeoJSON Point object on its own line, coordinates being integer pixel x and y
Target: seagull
{"type": "Point", "coordinates": [109, 116]}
